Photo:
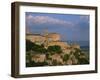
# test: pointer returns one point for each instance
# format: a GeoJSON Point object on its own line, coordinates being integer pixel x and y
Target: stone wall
{"type": "Point", "coordinates": [42, 38]}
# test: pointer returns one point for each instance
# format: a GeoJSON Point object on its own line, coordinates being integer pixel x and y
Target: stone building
{"type": "Point", "coordinates": [35, 38]}
{"type": "Point", "coordinates": [48, 40]}
{"type": "Point", "coordinates": [54, 37]}
{"type": "Point", "coordinates": [63, 45]}
{"type": "Point", "coordinates": [43, 38]}
{"type": "Point", "coordinates": [51, 39]}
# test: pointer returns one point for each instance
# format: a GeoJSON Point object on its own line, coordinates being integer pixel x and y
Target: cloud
{"type": "Point", "coordinates": [29, 17]}
{"type": "Point", "coordinates": [47, 20]}
{"type": "Point", "coordinates": [71, 29]}
{"type": "Point", "coordinates": [84, 18]}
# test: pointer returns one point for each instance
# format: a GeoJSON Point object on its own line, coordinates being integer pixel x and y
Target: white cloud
{"type": "Point", "coordinates": [48, 20]}
{"type": "Point", "coordinates": [84, 18]}
{"type": "Point", "coordinates": [29, 17]}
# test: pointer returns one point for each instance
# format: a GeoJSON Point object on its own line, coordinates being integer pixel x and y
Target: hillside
{"type": "Point", "coordinates": [53, 55]}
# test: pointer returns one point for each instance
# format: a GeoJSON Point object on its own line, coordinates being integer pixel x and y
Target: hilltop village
{"type": "Point", "coordinates": [48, 50]}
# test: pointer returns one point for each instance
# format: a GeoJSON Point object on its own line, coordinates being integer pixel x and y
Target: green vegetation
{"type": "Point", "coordinates": [34, 49]}
{"type": "Point", "coordinates": [66, 57]}
{"type": "Point", "coordinates": [83, 61]}
{"type": "Point", "coordinates": [54, 62]}
{"type": "Point", "coordinates": [82, 58]}
{"type": "Point", "coordinates": [48, 56]}
{"type": "Point", "coordinates": [55, 49]}
{"type": "Point", "coordinates": [29, 45]}
{"type": "Point", "coordinates": [33, 64]}
{"type": "Point", "coordinates": [40, 48]}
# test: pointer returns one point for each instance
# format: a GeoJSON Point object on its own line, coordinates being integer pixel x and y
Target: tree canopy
{"type": "Point", "coordinates": [55, 48]}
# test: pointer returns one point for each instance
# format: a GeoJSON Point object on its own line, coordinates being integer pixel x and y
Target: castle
{"type": "Point", "coordinates": [50, 39]}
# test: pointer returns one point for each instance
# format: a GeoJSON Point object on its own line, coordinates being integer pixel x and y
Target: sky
{"type": "Point", "coordinates": [70, 26]}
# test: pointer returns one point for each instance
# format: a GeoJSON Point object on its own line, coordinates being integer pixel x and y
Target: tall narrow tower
{"type": "Point", "coordinates": [46, 38]}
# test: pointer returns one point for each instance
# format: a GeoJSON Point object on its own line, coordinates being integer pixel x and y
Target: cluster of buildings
{"type": "Point", "coordinates": [50, 39]}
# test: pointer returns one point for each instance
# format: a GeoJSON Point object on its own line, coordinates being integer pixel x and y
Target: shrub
{"type": "Point", "coordinates": [29, 45]}
{"type": "Point", "coordinates": [37, 48]}
{"type": "Point", "coordinates": [54, 63]}
{"type": "Point", "coordinates": [66, 57]}
{"type": "Point", "coordinates": [34, 64]}
{"type": "Point", "coordinates": [83, 61]}
{"type": "Point", "coordinates": [55, 49]}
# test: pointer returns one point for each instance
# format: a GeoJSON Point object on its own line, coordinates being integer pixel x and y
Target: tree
{"type": "Point", "coordinates": [83, 61]}
{"type": "Point", "coordinates": [66, 57]}
{"type": "Point", "coordinates": [55, 49]}
{"type": "Point", "coordinates": [78, 56]}
{"type": "Point", "coordinates": [34, 64]}
{"type": "Point", "coordinates": [39, 48]}
{"type": "Point", "coordinates": [34, 47]}
{"type": "Point", "coordinates": [29, 45]}
{"type": "Point", "coordinates": [54, 63]}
